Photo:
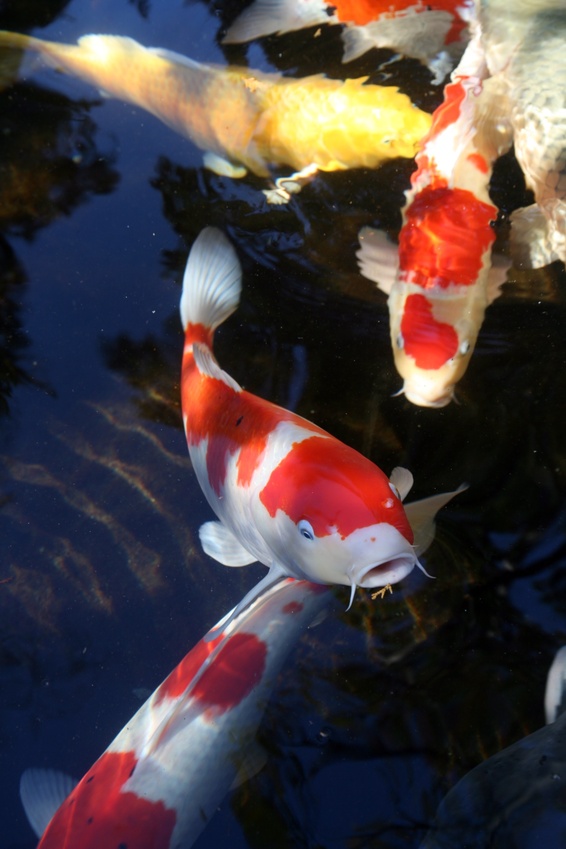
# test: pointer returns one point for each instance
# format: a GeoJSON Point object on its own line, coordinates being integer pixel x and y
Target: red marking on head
{"type": "Point", "coordinates": [332, 486]}
{"type": "Point", "coordinates": [231, 421]}
{"type": "Point", "coordinates": [479, 162]}
{"type": "Point", "coordinates": [445, 236]}
{"type": "Point", "coordinates": [177, 682]}
{"type": "Point", "coordinates": [97, 814]}
{"type": "Point", "coordinates": [429, 342]}
{"type": "Point", "coordinates": [235, 671]}
{"type": "Point", "coordinates": [293, 607]}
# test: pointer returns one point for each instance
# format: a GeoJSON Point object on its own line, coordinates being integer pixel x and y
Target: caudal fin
{"type": "Point", "coordinates": [212, 281]}
{"type": "Point", "coordinates": [264, 17]}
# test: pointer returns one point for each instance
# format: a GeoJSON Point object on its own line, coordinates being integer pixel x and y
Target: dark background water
{"type": "Point", "coordinates": [103, 586]}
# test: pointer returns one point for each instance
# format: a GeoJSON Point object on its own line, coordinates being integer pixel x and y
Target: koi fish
{"type": "Point", "coordinates": [524, 51]}
{"type": "Point", "coordinates": [160, 781]}
{"type": "Point", "coordinates": [247, 120]}
{"type": "Point", "coordinates": [443, 278]}
{"type": "Point", "coordinates": [434, 32]}
{"type": "Point", "coordinates": [286, 493]}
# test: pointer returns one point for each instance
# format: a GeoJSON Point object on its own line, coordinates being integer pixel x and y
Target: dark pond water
{"type": "Point", "coordinates": [103, 585]}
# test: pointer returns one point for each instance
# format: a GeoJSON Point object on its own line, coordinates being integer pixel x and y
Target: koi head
{"type": "Point", "coordinates": [331, 516]}
{"type": "Point", "coordinates": [432, 344]}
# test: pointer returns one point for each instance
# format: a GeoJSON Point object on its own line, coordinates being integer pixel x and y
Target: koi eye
{"type": "Point", "coordinates": [464, 347]}
{"type": "Point", "coordinates": [400, 342]}
{"type": "Point", "coordinates": [305, 529]}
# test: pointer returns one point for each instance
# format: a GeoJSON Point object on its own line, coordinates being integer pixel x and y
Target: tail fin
{"type": "Point", "coordinates": [264, 17]}
{"type": "Point", "coordinates": [212, 281]}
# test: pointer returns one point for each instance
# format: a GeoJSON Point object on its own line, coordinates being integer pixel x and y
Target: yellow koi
{"type": "Point", "coordinates": [247, 120]}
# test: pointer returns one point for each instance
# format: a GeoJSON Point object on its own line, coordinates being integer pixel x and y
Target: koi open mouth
{"type": "Point", "coordinates": [389, 571]}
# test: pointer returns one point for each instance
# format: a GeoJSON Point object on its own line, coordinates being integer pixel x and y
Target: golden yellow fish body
{"type": "Point", "coordinates": [251, 119]}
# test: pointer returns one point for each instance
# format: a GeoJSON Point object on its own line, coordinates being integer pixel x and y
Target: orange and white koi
{"type": "Point", "coordinates": [286, 493]}
{"type": "Point", "coordinates": [160, 781]}
{"type": "Point", "coordinates": [444, 280]}
{"type": "Point", "coordinates": [247, 120]}
{"type": "Point", "coordinates": [434, 32]}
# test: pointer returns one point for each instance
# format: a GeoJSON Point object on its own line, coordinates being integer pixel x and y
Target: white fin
{"type": "Point", "coordinates": [402, 480]}
{"type": "Point", "coordinates": [42, 792]}
{"type": "Point", "coordinates": [275, 574]}
{"type": "Point", "coordinates": [221, 166]}
{"type": "Point", "coordinates": [421, 516]}
{"type": "Point", "coordinates": [221, 544]}
{"type": "Point", "coordinates": [206, 364]}
{"type": "Point", "coordinates": [212, 282]}
{"type": "Point", "coordinates": [264, 17]}
{"type": "Point", "coordinates": [378, 258]}
{"type": "Point", "coordinates": [555, 693]}
{"type": "Point", "coordinates": [496, 277]}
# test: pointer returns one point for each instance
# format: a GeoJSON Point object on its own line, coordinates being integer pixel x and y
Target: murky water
{"type": "Point", "coordinates": [103, 585]}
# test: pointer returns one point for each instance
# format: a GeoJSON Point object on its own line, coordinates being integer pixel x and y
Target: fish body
{"type": "Point", "coordinates": [162, 778]}
{"type": "Point", "coordinates": [444, 278]}
{"type": "Point", "coordinates": [431, 32]}
{"type": "Point", "coordinates": [286, 493]}
{"type": "Point", "coordinates": [524, 49]}
{"type": "Point", "coordinates": [246, 120]}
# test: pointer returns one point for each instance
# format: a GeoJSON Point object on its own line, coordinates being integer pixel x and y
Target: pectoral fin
{"type": "Point", "coordinates": [378, 258]}
{"type": "Point", "coordinates": [222, 166]}
{"type": "Point", "coordinates": [421, 515]}
{"type": "Point", "coordinates": [275, 574]}
{"type": "Point", "coordinates": [402, 480]}
{"type": "Point", "coordinates": [221, 544]}
{"type": "Point", "coordinates": [42, 792]}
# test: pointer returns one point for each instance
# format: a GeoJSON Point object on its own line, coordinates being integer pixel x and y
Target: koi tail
{"type": "Point", "coordinates": [211, 286]}
{"type": "Point", "coordinates": [265, 17]}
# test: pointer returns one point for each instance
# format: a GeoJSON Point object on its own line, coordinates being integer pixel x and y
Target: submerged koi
{"type": "Point", "coordinates": [160, 781]}
{"type": "Point", "coordinates": [444, 280]}
{"type": "Point", "coordinates": [247, 120]}
{"type": "Point", "coordinates": [287, 494]}
{"type": "Point", "coordinates": [524, 52]}
{"type": "Point", "coordinates": [432, 32]}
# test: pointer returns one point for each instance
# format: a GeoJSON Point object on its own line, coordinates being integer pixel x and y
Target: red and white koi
{"type": "Point", "coordinates": [443, 280]}
{"type": "Point", "coordinates": [286, 493]}
{"type": "Point", "coordinates": [246, 120]}
{"type": "Point", "coordinates": [434, 32]}
{"type": "Point", "coordinates": [160, 781]}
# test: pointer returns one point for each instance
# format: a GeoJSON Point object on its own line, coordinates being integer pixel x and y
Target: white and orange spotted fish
{"type": "Point", "coordinates": [433, 32]}
{"type": "Point", "coordinates": [286, 493]}
{"type": "Point", "coordinates": [162, 778]}
{"type": "Point", "coordinates": [246, 120]}
{"type": "Point", "coordinates": [443, 279]}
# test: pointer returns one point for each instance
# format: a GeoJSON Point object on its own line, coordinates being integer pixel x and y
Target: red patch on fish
{"type": "Point", "coordinates": [363, 12]}
{"type": "Point", "coordinates": [446, 233]}
{"type": "Point", "coordinates": [293, 607]}
{"type": "Point", "coordinates": [334, 487]}
{"type": "Point", "coordinates": [429, 342]}
{"type": "Point", "coordinates": [231, 421]}
{"type": "Point", "coordinates": [237, 669]}
{"type": "Point", "coordinates": [177, 682]}
{"type": "Point", "coordinates": [98, 814]}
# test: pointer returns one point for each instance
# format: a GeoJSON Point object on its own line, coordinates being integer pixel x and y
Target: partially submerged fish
{"type": "Point", "coordinates": [443, 278]}
{"type": "Point", "coordinates": [247, 120]}
{"type": "Point", "coordinates": [524, 46]}
{"type": "Point", "coordinates": [287, 494]}
{"type": "Point", "coordinates": [432, 32]}
{"type": "Point", "coordinates": [160, 781]}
